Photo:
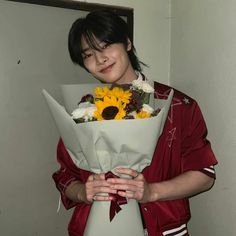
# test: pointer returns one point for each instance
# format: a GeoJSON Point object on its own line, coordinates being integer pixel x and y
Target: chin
{"type": "Point", "coordinates": [108, 80]}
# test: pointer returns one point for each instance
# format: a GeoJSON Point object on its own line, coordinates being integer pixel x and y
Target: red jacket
{"type": "Point", "coordinates": [182, 147]}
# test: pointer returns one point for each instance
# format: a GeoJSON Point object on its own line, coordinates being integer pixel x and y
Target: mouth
{"type": "Point", "coordinates": [106, 69]}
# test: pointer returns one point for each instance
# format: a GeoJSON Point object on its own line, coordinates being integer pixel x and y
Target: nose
{"type": "Point", "coordinates": [101, 58]}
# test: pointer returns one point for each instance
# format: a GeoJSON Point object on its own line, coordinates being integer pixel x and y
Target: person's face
{"type": "Point", "coordinates": [111, 64]}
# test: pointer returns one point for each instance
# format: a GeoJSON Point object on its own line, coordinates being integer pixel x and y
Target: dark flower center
{"type": "Point", "coordinates": [109, 113]}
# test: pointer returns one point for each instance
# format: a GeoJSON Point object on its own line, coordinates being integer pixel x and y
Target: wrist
{"type": "Point", "coordinates": [80, 192]}
{"type": "Point", "coordinates": [154, 194]}
{"type": "Point", "coordinates": [76, 192]}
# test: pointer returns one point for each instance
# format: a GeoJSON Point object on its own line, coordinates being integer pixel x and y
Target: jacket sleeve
{"type": "Point", "coordinates": [66, 174]}
{"type": "Point", "coordinates": [196, 149]}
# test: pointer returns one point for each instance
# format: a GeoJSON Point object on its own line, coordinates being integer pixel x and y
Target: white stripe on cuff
{"type": "Point", "coordinates": [171, 231]}
{"type": "Point", "coordinates": [209, 170]}
{"type": "Point", "coordinates": [181, 233]}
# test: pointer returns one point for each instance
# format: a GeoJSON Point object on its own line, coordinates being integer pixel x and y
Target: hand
{"type": "Point", "coordinates": [95, 185]}
{"type": "Point", "coordinates": [134, 188]}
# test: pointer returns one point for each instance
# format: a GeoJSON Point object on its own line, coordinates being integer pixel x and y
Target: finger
{"type": "Point", "coordinates": [102, 198]}
{"type": "Point", "coordinates": [99, 176]}
{"type": "Point", "coordinates": [96, 191]}
{"type": "Point", "coordinates": [104, 190]}
{"type": "Point", "coordinates": [127, 194]}
{"type": "Point", "coordinates": [119, 181]}
{"type": "Point", "coordinates": [90, 178]}
{"type": "Point", "coordinates": [97, 183]}
{"type": "Point", "coordinates": [127, 171]}
{"type": "Point", "coordinates": [122, 187]}
{"type": "Point", "coordinates": [136, 175]}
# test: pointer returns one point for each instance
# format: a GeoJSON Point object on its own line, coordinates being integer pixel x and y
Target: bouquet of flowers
{"type": "Point", "coordinates": [115, 127]}
{"type": "Point", "coordinates": [116, 103]}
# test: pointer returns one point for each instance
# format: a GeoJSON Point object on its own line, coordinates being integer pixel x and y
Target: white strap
{"type": "Point", "coordinates": [59, 204]}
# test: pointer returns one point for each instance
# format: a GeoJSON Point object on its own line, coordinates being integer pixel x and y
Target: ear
{"type": "Point", "coordinates": [129, 44]}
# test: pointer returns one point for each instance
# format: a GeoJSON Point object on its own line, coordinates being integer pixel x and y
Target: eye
{"type": "Point", "coordinates": [86, 56]}
{"type": "Point", "coordinates": [105, 46]}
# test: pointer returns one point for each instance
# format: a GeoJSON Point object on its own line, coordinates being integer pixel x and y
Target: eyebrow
{"type": "Point", "coordinates": [84, 50]}
{"type": "Point", "coordinates": [88, 48]}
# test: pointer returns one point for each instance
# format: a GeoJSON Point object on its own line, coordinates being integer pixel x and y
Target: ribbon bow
{"type": "Point", "coordinates": [117, 200]}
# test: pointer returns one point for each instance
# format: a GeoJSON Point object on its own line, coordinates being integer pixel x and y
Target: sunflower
{"type": "Point", "coordinates": [143, 115]}
{"type": "Point", "coordinates": [123, 95]}
{"type": "Point", "coordinates": [110, 108]}
{"type": "Point", "coordinates": [100, 92]}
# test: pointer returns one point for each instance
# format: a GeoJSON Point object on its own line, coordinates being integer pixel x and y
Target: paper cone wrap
{"type": "Point", "coordinates": [101, 146]}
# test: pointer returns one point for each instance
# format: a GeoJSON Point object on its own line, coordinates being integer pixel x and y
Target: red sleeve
{"type": "Point", "coordinates": [196, 149]}
{"type": "Point", "coordinates": [67, 173]}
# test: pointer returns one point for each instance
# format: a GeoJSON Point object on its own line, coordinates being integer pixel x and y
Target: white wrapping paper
{"type": "Point", "coordinates": [101, 146]}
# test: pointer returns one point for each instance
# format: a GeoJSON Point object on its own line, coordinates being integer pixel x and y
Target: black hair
{"type": "Point", "coordinates": [104, 25]}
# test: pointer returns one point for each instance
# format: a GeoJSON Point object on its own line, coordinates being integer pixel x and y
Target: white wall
{"type": "Point", "coordinates": [35, 58]}
{"type": "Point", "coordinates": [203, 64]}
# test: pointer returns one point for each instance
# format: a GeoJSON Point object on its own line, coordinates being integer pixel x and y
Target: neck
{"type": "Point", "coordinates": [129, 77]}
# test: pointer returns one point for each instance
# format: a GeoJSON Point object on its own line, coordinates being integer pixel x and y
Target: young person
{"type": "Point", "coordinates": [183, 161]}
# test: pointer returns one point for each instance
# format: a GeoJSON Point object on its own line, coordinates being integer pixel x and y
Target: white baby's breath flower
{"type": "Point", "coordinates": [137, 83]}
{"type": "Point", "coordinates": [90, 113]}
{"type": "Point", "coordinates": [133, 113]}
{"type": "Point", "coordinates": [84, 111]}
{"type": "Point", "coordinates": [142, 85]}
{"type": "Point", "coordinates": [85, 104]}
{"type": "Point", "coordinates": [147, 88]}
{"type": "Point", "coordinates": [147, 108]}
{"type": "Point", "coordinates": [78, 113]}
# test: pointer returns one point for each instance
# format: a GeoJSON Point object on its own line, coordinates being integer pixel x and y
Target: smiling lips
{"type": "Point", "coordinates": [106, 69]}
